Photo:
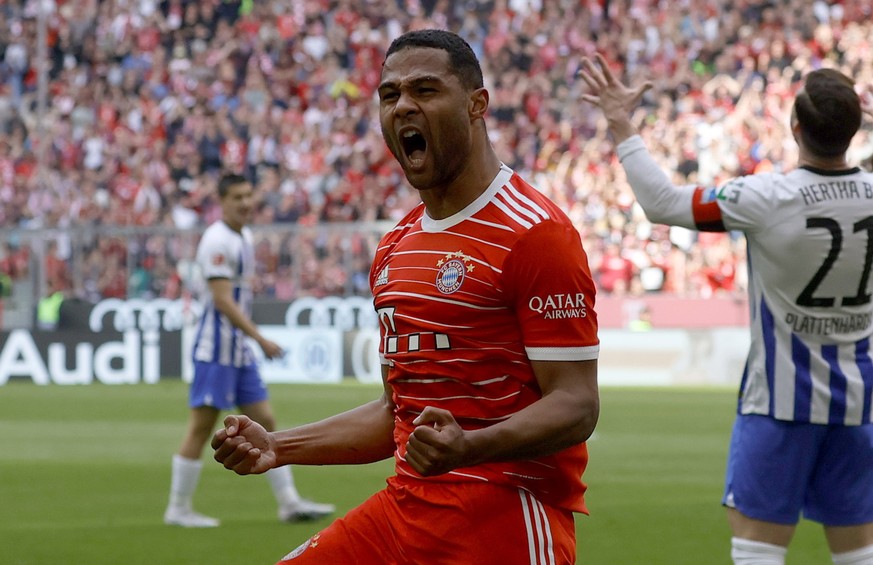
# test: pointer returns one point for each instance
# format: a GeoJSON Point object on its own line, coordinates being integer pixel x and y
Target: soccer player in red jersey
{"type": "Point", "coordinates": [488, 344]}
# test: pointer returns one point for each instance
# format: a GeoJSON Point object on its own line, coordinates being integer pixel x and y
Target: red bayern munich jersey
{"type": "Point", "coordinates": [465, 303]}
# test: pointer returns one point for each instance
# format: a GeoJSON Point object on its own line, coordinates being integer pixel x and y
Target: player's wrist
{"type": "Point", "coordinates": [621, 128]}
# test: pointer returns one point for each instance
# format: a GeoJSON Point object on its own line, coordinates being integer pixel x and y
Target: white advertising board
{"type": "Point", "coordinates": [312, 355]}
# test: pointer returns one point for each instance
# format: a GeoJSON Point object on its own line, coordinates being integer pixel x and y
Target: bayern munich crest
{"type": "Point", "coordinates": [452, 271]}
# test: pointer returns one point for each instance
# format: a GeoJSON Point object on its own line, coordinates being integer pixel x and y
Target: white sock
{"type": "Point", "coordinates": [186, 475]}
{"type": "Point", "coordinates": [283, 485]}
{"type": "Point", "coordinates": [863, 556]}
{"type": "Point", "coordinates": [748, 552]}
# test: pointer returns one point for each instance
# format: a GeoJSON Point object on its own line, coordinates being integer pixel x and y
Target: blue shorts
{"type": "Point", "coordinates": [225, 387]}
{"type": "Point", "coordinates": [778, 469]}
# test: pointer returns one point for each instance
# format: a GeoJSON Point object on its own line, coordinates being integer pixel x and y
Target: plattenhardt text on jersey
{"type": "Point", "coordinates": [801, 323]}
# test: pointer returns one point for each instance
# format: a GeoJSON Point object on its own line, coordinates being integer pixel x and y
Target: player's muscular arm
{"type": "Point", "coordinates": [569, 409]}
{"type": "Point", "coordinates": [361, 435]}
{"type": "Point", "coordinates": [565, 416]}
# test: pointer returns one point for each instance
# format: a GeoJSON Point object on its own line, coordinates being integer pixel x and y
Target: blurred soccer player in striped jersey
{"type": "Point", "coordinates": [802, 442]}
{"type": "Point", "coordinates": [489, 349]}
{"type": "Point", "coordinates": [225, 373]}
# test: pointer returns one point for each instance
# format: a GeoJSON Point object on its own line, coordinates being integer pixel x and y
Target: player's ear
{"type": "Point", "coordinates": [794, 124]}
{"type": "Point", "coordinates": [479, 99]}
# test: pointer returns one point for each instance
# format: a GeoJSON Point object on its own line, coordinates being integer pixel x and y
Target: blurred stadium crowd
{"type": "Point", "coordinates": [148, 100]}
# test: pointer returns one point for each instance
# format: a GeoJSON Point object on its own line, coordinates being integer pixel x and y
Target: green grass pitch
{"type": "Point", "coordinates": [84, 473]}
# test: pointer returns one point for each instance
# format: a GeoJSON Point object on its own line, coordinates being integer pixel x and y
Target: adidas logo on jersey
{"type": "Point", "coordinates": [383, 277]}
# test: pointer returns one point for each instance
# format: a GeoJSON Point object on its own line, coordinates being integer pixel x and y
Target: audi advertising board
{"type": "Point", "coordinates": [143, 341]}
{"type": "Point", "coordinates": [326, 340]}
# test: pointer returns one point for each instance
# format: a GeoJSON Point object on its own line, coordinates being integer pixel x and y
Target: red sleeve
{"type": "Point", "coordinates": [706, 211]}
{"type": "Point", "coordinates": [548, 281]}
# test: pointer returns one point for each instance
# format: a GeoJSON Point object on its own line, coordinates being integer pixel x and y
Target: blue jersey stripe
{"type": "Point", "coordinates": [235, 355]}
{"type": "Point", "coordinates": [198, 336]}
{"type": "Point", "coordinates": [769, 336]}
{"type": "Point", "coordinates": [235, 350]}
{"type": "Point", "coordinates": [753, 317]}
{"type": "Point", "coordinates": [750, 267]}
{"type": "Point", "coordinates": [743, 382]}
{"type": "Point", "coordinates": [802, 380]}
{"type": "Point", "coordinates": [216, 332]}
{"type": "Point", "coordinates": [838, 385]}
{"type": "Point", "coordinates": [865, 366]}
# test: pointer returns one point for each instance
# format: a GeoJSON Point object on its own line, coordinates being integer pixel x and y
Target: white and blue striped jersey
{"type": "Point", "coordinates": [809, 234]}
{"type": "Point", "coordinates": [225, 253]}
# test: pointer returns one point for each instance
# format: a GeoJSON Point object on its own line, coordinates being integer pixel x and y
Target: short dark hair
{"type": "Point", "coordinates": [828, 111]}
{"type": "Point", "coordinates": [228, 180]}
{"type": "Point", "coordinates": [462, 59]}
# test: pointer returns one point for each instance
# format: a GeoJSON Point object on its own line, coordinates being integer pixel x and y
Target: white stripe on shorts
{"type": "Point", "coordinates": [539, 531]}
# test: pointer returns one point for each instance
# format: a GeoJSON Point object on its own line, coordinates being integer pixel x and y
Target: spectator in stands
{"type": "Point", "coordinates": [48, 311]}
{"type": "Point", "coordinates": [194, 82]}
{"type": "Point", "coordinates": [615, 272]}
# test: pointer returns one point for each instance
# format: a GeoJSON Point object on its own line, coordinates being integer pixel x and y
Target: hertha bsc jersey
{"type": "Point", "coordinates": [810, 247]}
{"type": "Point", "coordinates": [225, 253]}
{"type": "Point", "coordinates": [465, 303]}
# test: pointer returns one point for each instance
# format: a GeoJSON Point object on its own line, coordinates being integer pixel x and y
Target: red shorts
{"type": "Point", "coordinates": [415, 522]}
